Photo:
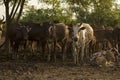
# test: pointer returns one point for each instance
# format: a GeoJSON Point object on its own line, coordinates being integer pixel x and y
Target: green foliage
{"type": "Point", "coordinates": [42, 15]}
{"type": "Point", "coordinates": [104, 12]}
{"type": "Point", "coordinates": [101, 12]}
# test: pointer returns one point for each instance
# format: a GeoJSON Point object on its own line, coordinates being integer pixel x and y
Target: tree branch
{"type": "Point", "coordinates": [13, 8]}
{"type": "Point", "coordinates": [16, 10]}
{"type": "Point", "coordinates": [21, 9]}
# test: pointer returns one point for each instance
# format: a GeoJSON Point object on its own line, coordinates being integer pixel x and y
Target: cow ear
{"type": "Point", "coordinates": [50, 29]}
{"type": "Point", "coordinates": [82, 28]}
{"type": "Point", "coordinates": [79, 24]}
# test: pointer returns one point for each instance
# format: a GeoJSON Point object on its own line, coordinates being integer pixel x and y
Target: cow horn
{"type": "Point", "coordinates": [80, 24]}
{"type": "Point", "coordinates": [2, 18]}
{"type": "Point", "coordinates": [50, 28]}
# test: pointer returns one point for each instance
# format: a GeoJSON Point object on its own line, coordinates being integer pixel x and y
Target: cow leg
{"type": "Point", "coordinates": [75, 54]}
{"type": "Point", "coordinates": [64, 50]}
{"type": "Point", "coordinates": [118, 46]}
{"type": "Point", "coordinates": [11, 46]}
{"type": "Point", "coordinates": [31, 46]}
{"type": "Point", "coordinates": [24, 45]}
{"type": "Point", "coordinates": [86, 54]}
{"type": "Point", "coordinates": [76, 57]}
{"type": "Point", "coordinates": [50, 50]}
{"type": "Point", "coordinates": [55, 42]}
{"type": "Point", "coordinates": [43, 48]}
{"type": "Point", "coordinates": [16, 46]}
{"type": "Point", "coordinates": [82, 55]}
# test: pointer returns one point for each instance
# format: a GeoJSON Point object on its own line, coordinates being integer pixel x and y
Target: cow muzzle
{"type": "Point", "coordinates": [75, 39]}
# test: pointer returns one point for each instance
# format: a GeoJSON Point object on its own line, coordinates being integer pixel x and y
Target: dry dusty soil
{"type": "Point", "coordinates": [36, 69]}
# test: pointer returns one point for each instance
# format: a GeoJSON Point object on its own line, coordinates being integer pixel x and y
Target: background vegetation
{"type": "Point", "coordinates": [100, 12]}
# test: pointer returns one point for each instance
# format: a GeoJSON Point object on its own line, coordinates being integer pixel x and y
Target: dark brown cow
{"type": "Point", "coordinates": [104, 39]}
{"type": "Point", "coordinates": [97, 27]}
{"type": "Point", "coordinates": [17, 33]}
{"type": "Point", "coordinates": [116, 36]}
{"type": "Point", "coordinates": [38, 33]}
{"type": "Point", "coordinates": [58, 32]}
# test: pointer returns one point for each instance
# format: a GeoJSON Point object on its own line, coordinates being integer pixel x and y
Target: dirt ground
{"type": "Point", "coordinates": [36, 69]}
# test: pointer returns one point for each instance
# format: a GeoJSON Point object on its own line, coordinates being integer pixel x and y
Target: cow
{"type": "Point", "coordinates": [38, 34]}
{"type": "Point", "coordinates": [104, 40]}
{"type": "Point", "coordinates": [104, 57]}
{"type": "Point", "coordinates": [97, 27]}
{"type": "Point", "coordinates": [58, 33]}
{"type": "Point", "coordinates": [16, 34]}
{"type": "Point", "coordinates": [1, 29]}
{"type": "Point", "coordinates": [116, 37]}
{"type": "Point", "coordinates": [83, 34]}
{"type": "Point", "coordinates": [1, 21]}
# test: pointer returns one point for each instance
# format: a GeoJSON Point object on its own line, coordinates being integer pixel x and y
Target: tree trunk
{"type": "Point", "coordinates": [13, 15]}
{"type": "Point", "coordinates": [7, 26]}
{"type": "Point", "coordinates": [10, 17]}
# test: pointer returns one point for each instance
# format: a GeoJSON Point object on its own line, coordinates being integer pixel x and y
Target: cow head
{"type": "Point", "coordinates": [76, 29]}
{"type": "Point", "coordinates": [115, 51]}
{"type": "Point", "coordinates": [24, 30]}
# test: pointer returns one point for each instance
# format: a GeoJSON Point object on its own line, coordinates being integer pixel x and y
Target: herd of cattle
{"type": "Point", "coordinates": [81, 39]}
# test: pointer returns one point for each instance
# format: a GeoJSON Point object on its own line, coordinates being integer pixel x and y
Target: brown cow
{"type": "Point", "coordinates": [58, 33]}
{"type": "Point", "coordinates": [116, 37]}
{"type": "Point", "coordinates": [17, 33]}
{"type": "Point", "coordinates": [97, 27]}
{"type": "Point", "coordinates": [38, 33]}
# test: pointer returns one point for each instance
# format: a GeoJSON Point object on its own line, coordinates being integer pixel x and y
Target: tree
{"type": "Point", "coordinates": [47, 14]}
{"type": "Point", "coordinates": [17, 6]}
{"type": "Point", "coordinates": [101, 12]}
{"type": "Point", "coordinates": [58, 9]}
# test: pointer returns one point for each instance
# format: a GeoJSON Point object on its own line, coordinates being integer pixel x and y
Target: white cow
{"type": "Point", "coordinates": [105, 57]}
{"type": "Point", "coordinates": [82, 35]}
{"type": "Point", "coordinates": [1, 22]}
